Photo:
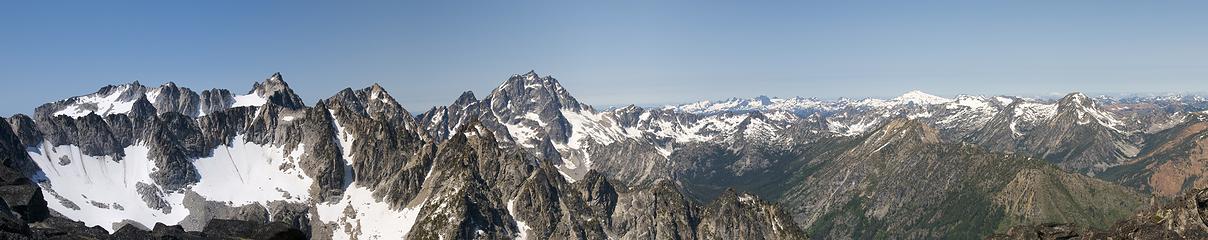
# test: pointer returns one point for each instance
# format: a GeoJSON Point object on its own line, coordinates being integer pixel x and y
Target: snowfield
{"type": "Point", "coordinates": [372, 220]}
{"type": "Point", "coordinates": [101, 190]}
{"type": "Point", "coordinates": [247, 173]}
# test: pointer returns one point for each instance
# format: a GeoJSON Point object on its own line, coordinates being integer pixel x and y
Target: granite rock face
{"type": "Point", "coordinates": [461, 205]}
{"type": "Point", "coordinates": [372, 120]}
{"type": "Point", "coordinates": [12, 150]}
{"type": "Point", "coordinates": [173, 140]}
{"type": "Point", "coordinates": [744, 216]}
{"type": "Point", "coordinates": [473, 184]}
{"type": "Point", "coordinates": [25, 129]}
{"type": "Point", "coordinates": [215, 100]}
{"type": "Point", "coordinates": [278, 92]}
{"type": "Point", "coordinates": [322, 158]}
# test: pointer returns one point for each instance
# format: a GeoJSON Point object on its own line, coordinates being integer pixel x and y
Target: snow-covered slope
{"type": "Point", "coordinates": [109, 100]}
{"type": "Point", "coordinates": [920, 98]}
{"type": "Point", "coordinates": [247, 173]}
{"type": "Point", "coordinates": [103, 190]}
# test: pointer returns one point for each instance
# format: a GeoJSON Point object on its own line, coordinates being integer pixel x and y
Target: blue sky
{"type": "Point", "coordinates": [606, 52]}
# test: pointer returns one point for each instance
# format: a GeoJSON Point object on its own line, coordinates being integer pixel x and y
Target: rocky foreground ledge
{"type": "Point", "coordinates": [1185, 217]}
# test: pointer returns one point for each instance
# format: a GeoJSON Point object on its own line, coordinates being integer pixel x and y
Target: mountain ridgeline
{"type": "Point", "coordinates": [530, 161]}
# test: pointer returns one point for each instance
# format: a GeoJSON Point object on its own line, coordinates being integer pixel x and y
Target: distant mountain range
{"type": "Point", "coordinates": [528, 160]}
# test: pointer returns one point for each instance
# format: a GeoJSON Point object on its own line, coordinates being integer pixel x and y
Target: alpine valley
{"type": "Point", "coordinates": [529, 161]}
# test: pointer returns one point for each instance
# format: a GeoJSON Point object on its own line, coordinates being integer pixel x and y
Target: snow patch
{"type": "Point", "coordinates": [249, 100]}
{"type": "Point", "coordinates": [246, 173]}
{"type": "Point", "coordinates": [372, 220]}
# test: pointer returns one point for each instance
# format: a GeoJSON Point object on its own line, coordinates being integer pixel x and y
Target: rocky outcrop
{"type": "Point", "coordinates": [59, 228]}
{"type": "Point", "coordinates": [21, 197]}
{"type": "Point", "coordinates": [94, 138]}
{"type": "Point", "coordinates": [322, 158]}
{"type": "Point", "coordinates": [660, 212]}
{"type": "Point", "coordinates": [1184, 217]}
{"type": "Point", "coordinates": [551, 208]}
{"type": "Point", "coordinates": [277, 92]}
{"type": "Point", "coordinates": [372, 120]}
{"type": "Point", "coordinates": [12, 150]}
{"type": "Point", "coordinates": [215, 100]}
{"type": "Point", "coordinates": [173, 140]}
{"type": "Point", "coordinates": [637, 162]}
{"type": "Point", "coordinates": [295, 215]}
{"type": "Point", "coordinates": [441, 122]}
{"type": "Point", "coordinates": [154, 197]}
{"type": "Point", "coordinates": [736, 215]}
{"type": "Point", "coordinates": [202, 212]}
{"type": "Point", "coordinates": [170, 98]}
{"type": "Point", "coordinates": [234, 229]}
{"type": "Point", "coordinates": [461, 204]}
{"type": "Point", "coordinates": [25, 129]}
{"type": "Point", "coordinates": [599, 195]}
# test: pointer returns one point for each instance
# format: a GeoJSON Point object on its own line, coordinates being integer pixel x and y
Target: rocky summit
{"type": "Point", "coordinates": [528, 160]}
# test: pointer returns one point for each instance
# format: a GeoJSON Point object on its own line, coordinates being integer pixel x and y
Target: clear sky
{"type": "Point", "coordinates": [606, 52]}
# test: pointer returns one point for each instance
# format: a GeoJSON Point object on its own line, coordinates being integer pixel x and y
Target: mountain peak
{"type": "Point", "coordinates": [1081, 109]}
{"type": "Point", "coordinates": [276, 77]}
{"type": "Point", "coordinates": [529, 88]}
{"type": "Point", "coordinates": [271, 84]}
{"type": "Point", "coordinates": [903, 130]}
{"type": "Point", "coordinates": [376, 92]}
{"type": "Point", "coordinates": [764, 99]}
{"type": "Point", "coordinates": [273, 90]}
{"type": "Point", "coordinates": [1076, 99]}
{"type": "Point", "coordinates": [466, 98]}
{"type": "Point", "coordinates": [920, 98]}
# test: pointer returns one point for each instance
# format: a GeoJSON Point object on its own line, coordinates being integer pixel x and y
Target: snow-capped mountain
{"type": "Point", "coordinates": [120, 99]}
{"type": "Point", "coordinates": [540, 116]}
{"type": "Point", "coordinates": [354, 166]}
{"type": "Point", "coordinates": [1004, 123]}
{"type": "Point", "coordinates": [529, 160]}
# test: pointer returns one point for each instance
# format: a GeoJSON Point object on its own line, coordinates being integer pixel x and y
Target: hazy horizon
{"type": "Point", "coordinates": [607, 53]}
{"type": "Point", "coordinates": [417, 109]}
